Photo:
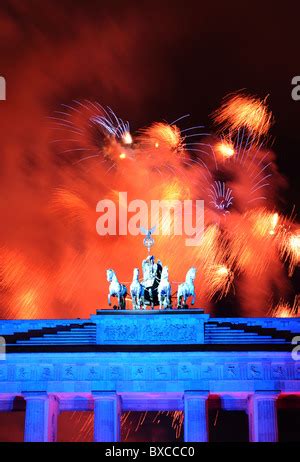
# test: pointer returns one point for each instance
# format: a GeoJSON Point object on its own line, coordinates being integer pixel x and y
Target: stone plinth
{"type": "Point", "coordinates": [150, 327]}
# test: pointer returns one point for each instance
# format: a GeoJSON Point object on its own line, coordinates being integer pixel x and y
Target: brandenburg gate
{"type": "Point", "coordinates": [117, 361]}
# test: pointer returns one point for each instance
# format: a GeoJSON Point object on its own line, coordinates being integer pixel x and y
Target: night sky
{"type": "Point", "coordinates": [151, 60]}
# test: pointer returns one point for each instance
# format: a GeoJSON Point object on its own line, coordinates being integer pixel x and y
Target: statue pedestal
{"type": "Point", "coordinates": [153, 327]}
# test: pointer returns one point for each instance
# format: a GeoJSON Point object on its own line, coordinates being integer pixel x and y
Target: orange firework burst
{"type": "Point", "coordinates": [225, 149]}
{"type": "Point", "coordinates": [284, 310]}
{"type": "Point", "coordinates": [244, 111]}
{"type": "Point", "coordinates": [264, 223]}
{"type": "Point", "coordinates": [290, 249]}
{"type": "Point", "coordinates": [220, 279]}
{"type": "Point", "coordinates": [26, 283]}
{"type": "Point", "coordinates": [212, 261]}
{"type": "Point", "coordinates": [71, 203]}
{"type": "Point", "coordinates": [253, 243]}
{"type": "Point", "coordinates": [161, 135]}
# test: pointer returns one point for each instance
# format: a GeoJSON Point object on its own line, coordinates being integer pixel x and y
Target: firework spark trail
{"type": "Point", "coordinates": [290, 249]}
{"type": "Point", "coordinates": [114, 125]}
{"type": "Point", "coordinates": [240, 111]}
{"type": "Point", "coordinates": [132, 422]}
{"type": "Point", "coordinates": [88, 130]}
{"type": "Point", "coordinates": [221, 196]}
{"type": "Point", "coordinates": [285, 310]}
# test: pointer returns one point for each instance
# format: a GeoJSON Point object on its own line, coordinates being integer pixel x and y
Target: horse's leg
{"type": "Point", "coordinates": [141, 301]}
{"type": "Point", "coordinates": [181, 299]}
{"type": "Point", "coordinates": [162, 302]}
{"type": "Point", "coordinates": [169, 298]}
{"type": "Point", "coordinates": [143, 305]}
{"type": "Point", "coordinates": [108, 298]}
{"type": "Point", "coordinates": [166, 301]}
{"type": "Point", "coordinates": [159, 300]}
{"type": "Point", "coordinates": [185, 300]}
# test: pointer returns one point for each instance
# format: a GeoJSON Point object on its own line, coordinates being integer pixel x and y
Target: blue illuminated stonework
{"type": "Point", "coordinates": [148, 360]}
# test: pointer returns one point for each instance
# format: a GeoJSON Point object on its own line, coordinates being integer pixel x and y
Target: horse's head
{"type": "Point", "coordinates": [109, 274]}
{"type": "Point", "coordinates": [165, 273]}
{"type": "Point", "coordinates": [136, 273]}
{"type": "Point", "coordinates": [191, 274]}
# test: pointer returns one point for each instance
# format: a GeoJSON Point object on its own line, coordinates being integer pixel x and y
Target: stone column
{"type": "Point", "coordinates": [262, 415]}
{"type": "Point", "coordinates": [195, 416]}
{"type": "Point", "coordinates": [107, 414]}
{"type": "Point", "coordinates": [41, 417]}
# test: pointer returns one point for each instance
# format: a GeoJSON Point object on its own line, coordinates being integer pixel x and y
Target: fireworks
{"type": "Point", "coordinates": [162, 135]}
{"type": "Point", "coordinates": [263, 222]}
{"type": "Point", "coordinates": [88, 131]}
{"type": "Point", "coordinates": [290, 249]}
{"type": "Point", "coordinates": [115, 126]}
{"type": "Point", "coordinates": [132, 422]}
{"type": "Point", "coordinates": [220, 280]}
{"type": "Point", "coordinates": [225, 149]}
{"type": "Point", "coordinates": [238, 172]}
{"type": "Point", "coordinates": [245, 237]}
{"type": "Point", "coordinates": [221, 196]}
{"type": "Point", "coordinates": [244, 112]}
{"type": "Point", "coordinates": [284, 310]}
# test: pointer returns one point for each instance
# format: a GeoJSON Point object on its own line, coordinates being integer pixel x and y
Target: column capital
{"type": "Point", "coordinates": [27, 395]}
{"type": "Point", "coordinates": [104, 395]}
{"type": "Point", "coordinates": [35, 395]}
{"type": "Point", "coordinates": [196, 394]}
{"type": "Point", "coordinates": [264, 394]}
